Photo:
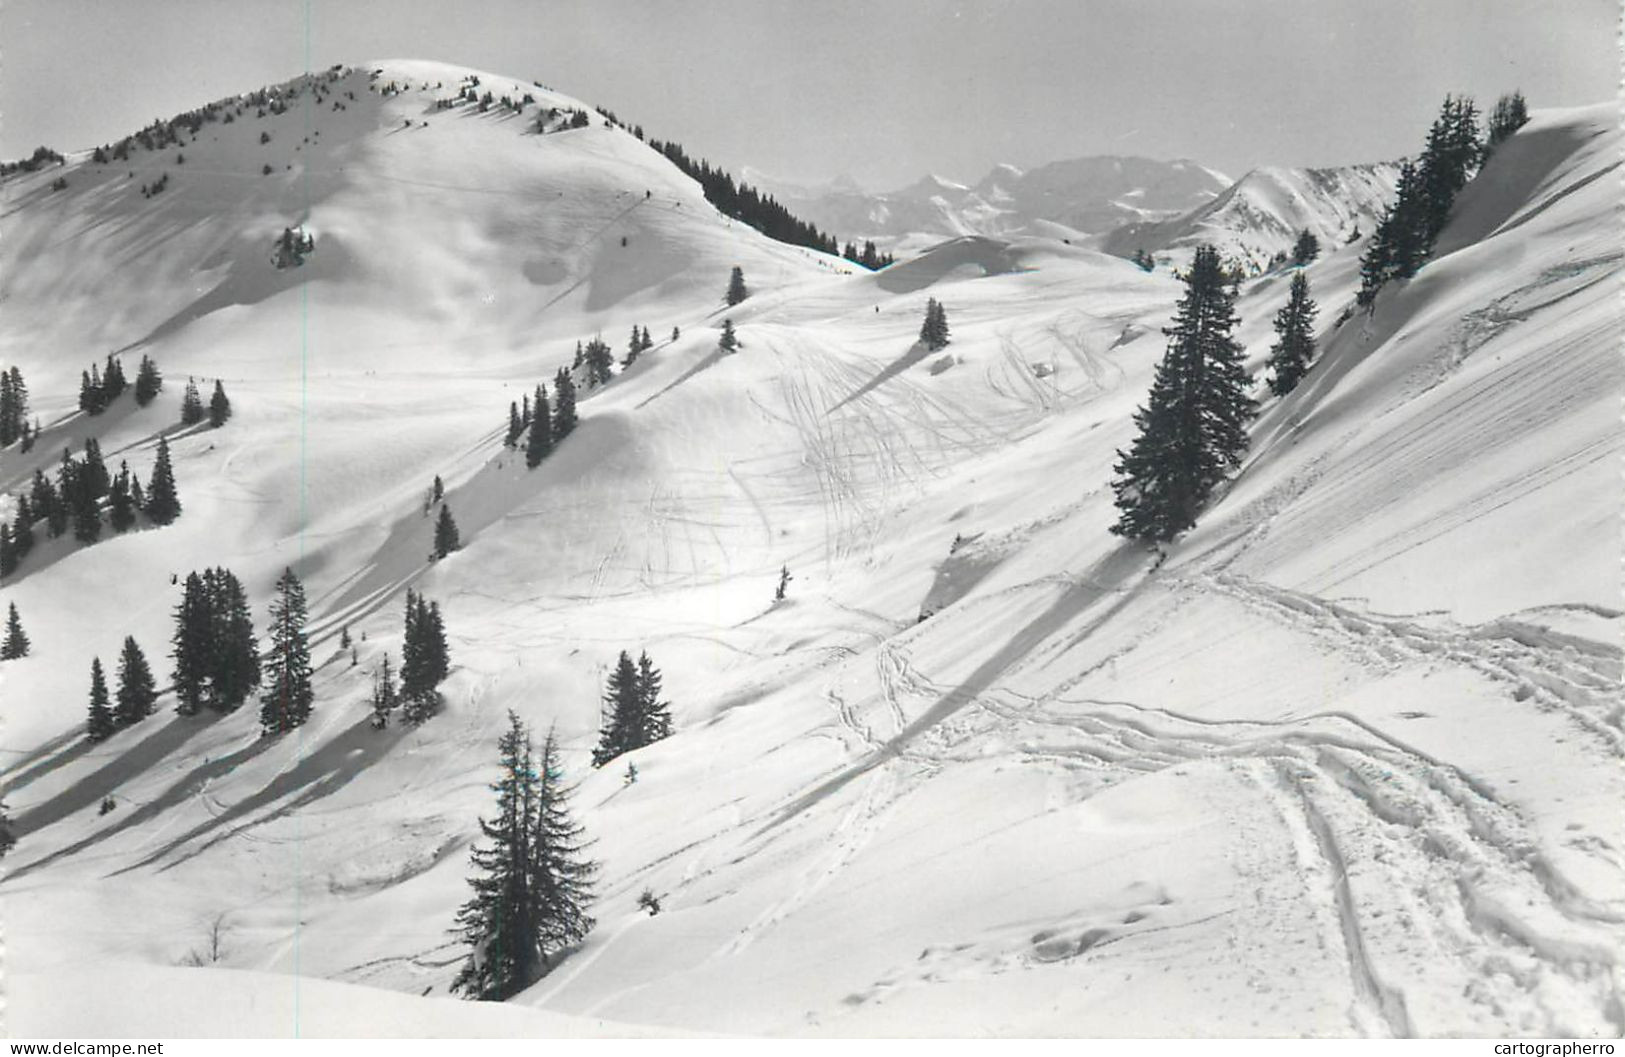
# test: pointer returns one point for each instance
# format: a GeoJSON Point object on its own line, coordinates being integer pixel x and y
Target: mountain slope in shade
{"type": "Point", "coordinates": [1258, 218]}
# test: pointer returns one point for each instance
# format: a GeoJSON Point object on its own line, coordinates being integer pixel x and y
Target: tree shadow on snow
{"type": "Point", "coordinates": [916, 352]}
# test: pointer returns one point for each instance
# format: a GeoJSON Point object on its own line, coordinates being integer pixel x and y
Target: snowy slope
{"type": "Point", "coordinates": [1260, 215]}
{"type": "Point", "coordinates": [1345, 761]}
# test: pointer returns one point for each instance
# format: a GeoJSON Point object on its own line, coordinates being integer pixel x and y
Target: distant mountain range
{"type": "Point", "coordinates": [1065, 199]}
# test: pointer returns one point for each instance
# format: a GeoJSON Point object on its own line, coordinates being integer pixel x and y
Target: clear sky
{"type": "Point", "coordinates": [883, 90]}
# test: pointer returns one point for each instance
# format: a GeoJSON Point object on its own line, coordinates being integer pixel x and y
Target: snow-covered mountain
{"type": "Point", "coordinates": [1345, 759]}
{"type": "Point", "coordinates": [1064, 199]}
{"type": "Point", "coordinates": [1257, 219]}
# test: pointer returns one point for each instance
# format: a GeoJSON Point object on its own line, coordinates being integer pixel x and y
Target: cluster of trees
{"type": "Point", "coordinates": [547, 426]}
{"type": "Point", "coordinates": [934, 331]}
{"type": "Point", "coordinates": [15, 644]}
{"type": "Point", "coordinates": [743, 202]}
{"type": "Point", "coordinates": [292, 248]}
{"type": "Point", "coordinates": [637, 345]}
{"type": "Point", "coordinates": [534, 880]}
{"type": "Point", "coordinates": [1427, 189]}
{"type": "Point", "coordinates": [216, 657]}
{"type": "Point", "coordinates": [41, 157]}
{"type": "Point", "coordinates": [425, 663]}
{"type": "Point", "coordinates": [136, 699]}
{"type": "Point", "coordinates": [99, 388]}
{"type": "Point", "coordinates": [634, 715]}
{"type": "Point", "coordinates": [14, 409]}
{"type": "Point", "coordinates": [1143, 259]}
{"type": "Point", "coordinates": [869, 257]}
{"type": "Point", "coordinates": [192, 410]}
{"type": "Point", "coordinates": [82, 489]}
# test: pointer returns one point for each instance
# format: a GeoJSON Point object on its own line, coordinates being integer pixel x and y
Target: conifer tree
{"type": "Point", "coordinates": [286, 702]}
{"type": "Point", "coordinates": [235, 658]}
{"type": "Point", "coordinates": [8, 837]}
{"type": "Point", "coordinates": [437, 490]}
{"type": "Point", "coordinates": [22, 528]}
{"type": "Point", "coordinates": [47, 504]}
{"type": "Point", "coordinates": [516, 425]}
{"type": "Point", "coordinates": [100, 724]}
{"type": "Point", "coordinates": [191, 404]}
{"type": "Point", "coordinates": [1193, 427]}
{"type": "Point", "coordinates": [647, 342]}
{"type": "Point", "coordinates": [934, 331]}
{"type": "Point", "coordinates": [599, 361]}
{"type": "Point", "coordinates": [1510, 114]}
{"type": "Point", "coordinates": [676, 332]}
{"type": "Point", "coordinates": [163, 505]}
{"type": "Point", "coordinates": [87, 515]}
{"type": "Point", "coordinates": [13, 407]}
{"type": "Point", "coordinates": [148, 381]}
{"type": "Point", "coordinates": [1306, 249]}
{"type": "Point", "coordinates": [219, 406]}
{"type": "Point", "coordinates": [8, 552]}
{"type": "Point", "coordinates": [113, 383]}
{"type": "Point", "coordinates": [445, 534]}
{"type": "Point", "coordinates": [534, 883]}
{"type": "Point", "coordinates": [622, 726]}
{"type": "Point", "coordinates": [137, 696]}
{"type": "Point", "coordinates": [539, 443]}
{"type": "Point", "coordinates": [120, 504]}
{"type": "Point", "coordinates": [564, 405]}
{"type": "Point", "coordinates": [192, 646]}
{"type": "Point", "coordinates": [93, 472]}
{"type": "Point", "coordinates": [729, 341]}
{"type": "Point", "coordinates": [737, 291]}
{"type": "Point", "coordinates": [384, 695]}
{"type": "Point", "coordinates": [633, 347]}
{"type": "Point", "coordinates": [1294, 339]}
{"type": "Point", "coordinates": [16, 643]}
{"type": "Point", "coordinates": [656, 716]}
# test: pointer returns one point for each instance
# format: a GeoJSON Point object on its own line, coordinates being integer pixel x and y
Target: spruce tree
{"type": "Point", "coordinates": [534, 883]}
{"type": "Point", "coordinates": [163, 505]}
{"type": "Point", "coordinates": [120, 504]}
{"type": "Point", "coordinates": [137, 696]}
{"type": "Point", "coordinates": [516, 425]}
{"type": "Point", "coordinates": [235, 668]}
{"type": "Point", "coordinates": [148, 381]}
{"type": "Point", "coordinates": [1294, 339]}
{"type": "Point", "coordinates": [113, 383]}
{"type": "Point", "coordinates": [621, 729]}
{"type": "Point", "coordinates": [934, 331]}
{"type": "Point", "coordinates": [219, 406]}
{"type": "Point", "coordinates": [286, 702]}
{"type": "Point", "coordinates": [1193, 427]}
{"type": "Point", "coordinates": [633, 347]}
{"type": "Point", "coordinates": [1306, 249]}
{"type": "Point", "coordinates": [384, 695]}
{"type": "Point", "coordinates": [539, 443]}
{"type": "Point", "coordinates": [656, 716]}
{"type": "Point", "coordinates": [192, 646]}
{"type": "Point", "coordinates": [22, 528]}
{"type": "Point", "coordinates": [729, 341]}
{"type": "Point", "coordinates": [100, 724]}
{"type": "Point", "coordinates": [564, 405]}
{"type": "Point", "coordinates": [9, 429]}
{"type": "Point", "coordinates": [737, 291]}
{"type": "Point", "coordinates": [47, 504]}
{"type": "Point", "coordinates": [87, 515]}
{"type": "Point", "coordinates": [445, 534]}
{"type": "Point", "coordinates": [1510, 114]}
{"type": "Point", "coordinates": [600, 362]}
{"type": "Point", "coordinates": [191, 404]}
{"type": "Point", "coordinates": [16, 643]}
{"type": "Point", "coordinates": [8, 552]}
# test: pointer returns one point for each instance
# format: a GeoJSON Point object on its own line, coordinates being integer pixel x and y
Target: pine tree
{"type": "Point", "coordinates": [9, 430]}
{"type": "Point", "coordinates": [113, 383]}
{"type": "Point", "coordinates": [93, 472]}
{"type": "Point", "coordinates": [737, 291]}
{"type": "Point", "coordinates": [633, 347]}
{"type": "Point", "coordinates": [219, 406]}
{"type": "Point", "coordinates": [437, 490]}
{"type": "Point", "coordinates": [434, 637]}
{"type": "Point", "coordinates": [560, 870]}
{"type": "Point", "coordinates": [287, 700]}
{"type": "Point", "coordinates": [100, 724]}
{"type": "Point", "coordinates": [137, 696]}
{"type": "Point", "coordinates": [191, 404]}
{"type": "Point", "coordinates": [87, 515]}
{"type": "Point", "coordinates": [192, 646]}
{"type": "Point", "coordinates": [1294, 339]}
{"type": "Point", "coordinates": [647, 342]}
{"type": "Point", "coordinates": [148, 381]}
{"type": "Point", "coordinates": [622, 727]}
{"type": "Point", "coordinates": [729, 341]}
{"type": "Point", "coordinates": [539, 444]}
{"type": "Point", "coordinates": [516, 425]}
{"type": "Point", "coordinates": [47, 504]}
{"type": "Point", "coordinates": [235, 666]}
{"type": "Point", "coordinates": [564, 405]}
{"type": "Point", "coordinates": [1193, 428]}
{"type": "Point", "coordinates": [8, 552]}
{"type": "Point", "coordinates": [22, 528]}
{"type": "Point", "coordinates": [384, 695]}
{"type": "Point", "coordinates": [1306, 249]}
{"type": "Point", "coordinates": [445, 534]}
{"type": "Point", "coordinates": [16, 642]}
{"type": "Point", "coordinates": [163, 505]}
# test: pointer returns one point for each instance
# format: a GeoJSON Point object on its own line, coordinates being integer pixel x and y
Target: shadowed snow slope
{"type": "Point", "coordinates": [1344, 760]}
